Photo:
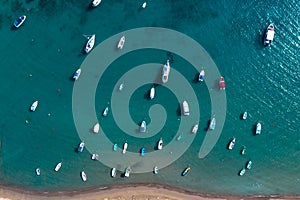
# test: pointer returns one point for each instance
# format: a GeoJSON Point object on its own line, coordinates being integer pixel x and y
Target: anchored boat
{"type": "Point", "coordinates": [269, 35]}
{"type": "Point", "coordinates": [185, 108]}
{"type": "Point", "coordinates": [105, 112]}
{"type": "Point", "coordinates": [96, 128]}
{"type": "Point", "coordinates": [258, 128]}
{"type": "Point", "coordinates": [125, 146]}
{"type": "Point", "coordinates": [201, 76]}
{"type": "Point", "coordinates": [90, 43]}
{"type": "Point", "coordinates": [18, 22]}
{"type": "Point", "coordinates": [155, 170]}
{"type": "Point", "coordinates": [77, 74]}
{"type": "Point", "coordinates": [95, 3]}
{"type": "Point", "coordinates": [195, 128]}
{"type": "Point", "coordinates": [34, 106]}
{"type": "Point", "coordinates": [245, 115]}
{"type": "Point", "coordinates": [143, 151]}
{"type": "Point", "coordinates": [212, 124]}
{"type": "Point", "coordinates": [231, 144]}
{"type": "Point", "coordinates": [127, 172]}
{"type": "Point", "coordinates": [152, 93]}
{"type": "Point", "coordinates": [121, 42]}
{"type": "Point", "coordinates": [83, 176]}
{"type": "Point", "coordinates": [143, 127]}
{"type": "Point", "coordinates": [160, 144]}
{"type": "Point", "coordinates": [222, 83]}
{"type": "Point", "coordinates": [113, 172]}
{"type": "Point", "coordinates": [242, 172]}
{"type": "Point", "coordinates": [166, 72]}
{"type": "Point", "coordinates": [58, 166]}
{"type": "Point", "coordinates": [81, 146]}
{"type": "Point", "coordinates": [38, 171]}
{"type": "Point", "coordinates": [186, 171]}
{"type": "Point", "coordinates": [249, 164]}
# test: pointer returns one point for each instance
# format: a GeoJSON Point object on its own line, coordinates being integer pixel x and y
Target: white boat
{"type": "Point", "coordinates": [249, 164]}
{"type": "Point", "coordinates": [83, 176]}
{"type": "Point", "coordinates": [201, 76]}
{"type": "Point", "coordinates": [95, 156]}
{"type": "Point", "coordinates": [125, 146]}
{"type": "Point", "coordinates": [155, 170]}
{"type": "Point", "coordinates": [143, 127]}
{"type": "Point", "coordinates": [95, 3]}
{"type": "Point", "coordinates": [34, 106]}
{"type": "Point", "coordinates": [58, 166]}
{"type": "Point", "coordinates": [152, 93]}
{"type": "Point", "coordinates": [245, 114]}
{"type": "Point", "coordinates": [242, 172]}
{"type": "Point", "coordinates": [127, 172]}
{"type": "Point", "coordinates": [160, 144]}
{"type": "Point", "coordinates": [121, 42]}
{"type": "Point", "coordinates": [231, 144]}
{"type": "Point", "coordinates": [144, 4]}
{"type": "Point", "coordinates": [243, 151]}
{"type": "Point", "coordinates": [96, 128]}
{"type": "Point", "coordinates": [121, 86]}
{"type": "Point", "coordinates": [90, 43]}
{"type": "Point", "coordinates": [212, 124]}
{"type": "Point", "coordinates": [81, 146]}
{"type": "Point", "coordinates": [269, 35]}
{"type": "Point", "coordinates": [38, 171]}
{"type": "Point", "coordinates": [185, 108]}
{"type": "Point", "coordinates": [166, 72]}
{"type": "Point", "coordinates": [105, 112]}
{"type": "Point", "coordinates": [195, 128]}
{"type": "Point", "coordinates": [77, 74]}
{"type": "Point", "coordinates": [258, 128]}
{"type": "Point", "coordinates": [18, 22]}
{"type": "Point", "coordinates": [113, 172]}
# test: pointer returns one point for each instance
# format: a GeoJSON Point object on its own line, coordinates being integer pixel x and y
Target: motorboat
{"type": "Point", "coordinates": [77, 74]}
{"type": "Point", "coordinates": [143, 127]}
{"type": "Point", "coordinates": [212, 124]}
{"type": "Point", "coordinates": [195, 128]}
{"type": "Point", "coordinates": [113, 172]}
{"type": "Point", "coordinates": [90, 43]}
{"type": "Point", "coordinates": [144, 4]}
{"type": "Point", "coordinates": [95, 3]}
{"type": "Point", "coordinates": [243, 151]}
{"type": "Point", "coordinates": [38, 171]}
{"type": "Point", "coordinates": [96, 128]}
{"type": "Point", "coordinates": [245, 115]}
{"type": "Point", "coordinates": [80, 146]}
{"type": "Point", "coordinates": [115, 147]}
{"type": "Point", "coordinates": [152, 93]}
{"type": "Point", "coordinates": [83, 176]}
{"type": "Point", "coordinates": [121, 86]}
{"type": "Point", "coordinates": [160, 144]}
{"type": "Point", "coordinates": [179, 137]}
{"type": "Point", "coordinates": [269, 35]}
{"type": "Point", "coordinates": [222, 83]}
{"type": "Point", "coordinates": [155, 170]}
{"type": "Point", "coordinates": [125, 146]}
{"type": "Point", "coordinates": [95, 156]}
{"type": "Point", "coordinates": [231, 144]}
{"type": "Point", "coordinates": [201, 75]}
{"type": "Point", "coordinates": [166, 72]}
{"type": "Point", "coordinates": [18, 22]}
{"type": "Point", "coordinates": [127, 172]}
{"type": "Point", "coordinates": [185, 108]}
{"type": "Point", "coordinates": [58, 166]}
{"type": "Point", "coordinates": [105, 112]}
{"type": "Point", "coordinates": [34, 106]}
{"type": "Point", "coordinates": [242, 172]}
{"type": "Point", "coordinates": [143, 151]}
{"type": "Point", "coordinates": [249, 164]}
{"type": "Point", "coordinates": [258, 128]}
{"type": "Point", "coordinates": [186, 171]}
{"type": "Point", "coordinates": [121, 42]}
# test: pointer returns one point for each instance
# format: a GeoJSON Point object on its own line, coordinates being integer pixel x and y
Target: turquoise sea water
{"type": "Point", "coordinates": [39, 58]}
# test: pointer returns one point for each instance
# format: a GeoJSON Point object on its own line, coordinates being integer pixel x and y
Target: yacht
{"type": "Point", "coordinates": [242, 172]}
{"type": "Point", "coordinates": [80, 146]}
{"type": "Point", "coordinates": [166, 72]}
{"type": "Point", "coordinates": [155, 170]}
{"type": "Point", "coordinates": [152, 93]}
{"type": "Point", "coordinates": [269, 35]}
{"type": "Point", "coordinates": [185, 108]}
{"type": "Point", "coordinates": [160, 144]}
{"type": "Point", "coordinates": [231, 144]}
{"type": "Point", "coordinates": [113, 172]}
{"type": "Point", "coordinates": [186, 171]}
{"type": "Point", "coordinates": [245, 115]}
{"type": "Point", "coordinates": [77, 74]}
{"type": "Point", "coordinates": [115, 148]}
{"type": "Point", "coordinates": [121, 86]}
{"type": "Point", "coordinates": [143, 127]}
{"type": "Point", "coordinates": [143, 151]}
{"type": "Point", "coordinates": [18, 22]}
{"type": "Point", "coordinates": [38, 171]}
{"type": "Point", "coordinates": [222, 83]}
{"type": "Point", "coordinates": [144, 4]}
{"type": "Point", "coordinates": [258, 128]}
{"type": "Point", "coordinates": [96, 128]}
{"type": "Point", "coordinates": [34, 106]}
{"type": "Point", "coordinates": [95, 156]}
{"type": "Point", "coordinates": [243, 151]}
{"type": "Point", "coordinates": [212, 124]}
{"type": "Point", "coordinates": [90, 43]}
{"type": "Point", "coordinates": [201, 75]}
{"type": "Point", "coordinates": [105, 112]}
{"type": "Point", "coordinates": [249, 164]}
{"type": "Point", "coordinates": [125, 146]}
{"type": "Point", "coordinates": [195, 128]}
{"type": "Point", "coordinates": [95, 3]}
{"type": "Point", "coordinates": [127, 172]}
{"type": "Point", "coordinates": [58, 166]}
{"type": "Point", "coordinates": [83, 176]}
{"type": "Point", "coordinates": [121, 42]}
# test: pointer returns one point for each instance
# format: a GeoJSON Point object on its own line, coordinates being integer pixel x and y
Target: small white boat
{"type": "Point", "coordinates": [95, 3]}
{"type": "Point", "coordinates": [185, 108]}
{"type": "Point", "coordinates": [105, 112]}
{"type": "Point", "coordinates": [90, 43]}
{"type": "Point", "coordinates": [212, 124]}
{"type": "Point", "coordinates": [121, 42]}
{"type": "Point", "coordinates": [18, 22]}
{"type": "Point", "coordinates": [34, 106]}
{"type": "Point", "coordinates": [144, 4]}
{"type": "Point", "coordinates": [77, 74]}
{"type": "Point", "coordinates": [245, 114]}
{"type": "Point", "coordinates": [38, 171]}
{"type": "Point", "coordinates": [231, 144]}
{"type": "Point", "coordinates": [249, 164]}
{"type": "Point", "coordinates": [58, 166]}
{"type": "Point", "coordinates": [127, 172]}
{"type": "Point", "coordinates": [125, 146]}
{"type": "Point", "coordinates": [195, 128]}
{"type": "Point", "coordinates": [201, 76]}
{"type": "Point", "coordinates": [243, 151]}
{"type": "Point", "coordinates": [155, 170]}
{"type": "Point", "coordinates": [121, 86]}
{"type": "Point", "coordinates": [258, 128]}
{"type": "Point", "coordinates": [113, 172]}
{"type": "Point", "coordinates": [269, 35]}
{"type": "Point", "coordinates": [143, 127]}
{"type": "Point", "coordinates": [83, 176]}
{"type": "Point", "coordinates": [96, 128]}
{"type": "Point", "coordinates": [152, 93]}
{"type": "Point", "coordinates": [95, 156]}
{"type": "Point", "coordinates": [81, 146]}
{"type": "Point", "coordinates": [242, 172]}
{"type": "Point", "coordinates": [160, 144]}
{"type": "Point", "coordinates": [166, 72]}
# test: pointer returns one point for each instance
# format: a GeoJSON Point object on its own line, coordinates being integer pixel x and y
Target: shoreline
{"type": "Point", "coordinates": [128, 191]}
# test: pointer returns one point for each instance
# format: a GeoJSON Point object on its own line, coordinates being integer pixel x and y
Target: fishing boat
{"type": "Point", "coordinates": [95, 156]}
{"type": "Point", "coordinates": [125, 146]}
{"type": "Point", "coordinates": [249, 164]}
{"type": "Point", "coordinates": [34, 106]}
{"type": "Point", "coordinates": [152, 93]}
{"type": "Point", "coordinates": [269, 35]}
{"type": "Point", "coordinates": [242, 172]}
{"type": "Point", "coordinates": [143, 151]}
{"type": "Point", "coordinates": [143, 127]}
{"type": "Point", "coordinates": [231, 144]}
{"type": "Point", "coordinates": [160, 144]}
{"type": "Point", "coordinates": [185, 108]}
{"type": "Point", "coordinates": [77, 74]}
{"type": "Point", "coordinates": [90, 43]}
{"type": "Point", "coordinates": [155, 170]}
{"type": "Point", "coordinates": [127, 172]}
{"type": "Point", "coordinates": [121, 42]}
{"type": "Point", "coordinates": [144, 4]}
{"type": "Point", "coordinates": [18, 22]}
{"type": "Point", "coordinates": [105, 112]}
{"type": "Point", "coordinates": [201, 75]}
{"type": "Point", "coordinates": [166, 72]}
{"type": "Point", "coordinates": [243, 151]}
{"type": "Point", "coordinates": [38, 171]}
{"type": "Point", "coordinates": [58, 166]}
{"type": "Point", "coordinates": [113, 172]}
{"type": "Point", "coordinates": [115, 148]}
{"type": "Point", "coordinates": [195, 128]}
{"type": "Point", "coordinates": [212, 124]}
{"type": "Point", "coordinates": [95, 3]}
{"type": "Point", "coordinates": [83, 176]}
{"type": "Point", "coordinates": [245, 115]}
{"type": "Point", "coordinates": [186, 171]}
{"type": "Point", "coordinates": [258, 128]}
{"type": "Point", "coordinates": [222, 83]}
{"type": "Point", "coordinates": [121, 86]}
{"type": "Point", "coordinates": [96, 128]}
{"type": "Point", "coordinates": [80, 146]}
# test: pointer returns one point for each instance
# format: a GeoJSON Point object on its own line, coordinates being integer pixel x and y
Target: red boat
{"type": "Point", "coordinates": [222, 83]}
